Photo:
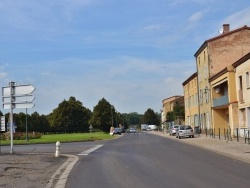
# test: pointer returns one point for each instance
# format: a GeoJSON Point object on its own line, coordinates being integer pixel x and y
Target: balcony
{"type": "Point", "coordinates": [220, 101]}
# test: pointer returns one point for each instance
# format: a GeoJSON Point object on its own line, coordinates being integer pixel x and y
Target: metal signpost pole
{"type": "Point", "coordinates": [11, 114]}
{"type": "Point", "coordinates": [26, 127]}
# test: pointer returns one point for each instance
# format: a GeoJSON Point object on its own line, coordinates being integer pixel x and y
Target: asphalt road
{"type": "Point", "coordinates": [146, 160]}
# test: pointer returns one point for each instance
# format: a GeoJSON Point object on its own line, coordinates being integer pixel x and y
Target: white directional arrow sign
{"type": "Point", "coordinates": [22, 98]}
{"type": "Point", "coordinates": [19, 105]}
{"type": "Point", "coordinates": [18, 90]}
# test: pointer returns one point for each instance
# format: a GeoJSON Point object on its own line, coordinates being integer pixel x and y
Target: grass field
{"type": "Point", "coordinates": [76, 137]}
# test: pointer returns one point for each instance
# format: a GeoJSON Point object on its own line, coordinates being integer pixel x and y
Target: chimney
{"type": "Point", "coordinates": [226, 28]}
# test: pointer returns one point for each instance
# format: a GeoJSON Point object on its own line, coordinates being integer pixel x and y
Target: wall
{"type": "Point", "coordinates": [228, 49]}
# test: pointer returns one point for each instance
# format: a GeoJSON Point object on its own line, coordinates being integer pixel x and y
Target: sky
{"type": "Point", "coordinates": [133, 53]}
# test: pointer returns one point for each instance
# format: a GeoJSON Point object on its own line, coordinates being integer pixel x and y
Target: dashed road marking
{"type": "Point", "coordinates": [90, 150]}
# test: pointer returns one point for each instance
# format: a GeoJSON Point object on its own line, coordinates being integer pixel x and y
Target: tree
{"type": "Point", "coordinates": [70, 116]}
{"type": "Point", "coordinates": [179, 110]}
{"type": "Point", "coordinates": [38, 123]}
{"type": "Point", "coordinates": [170, 116]}
{"type": "Point", "coordinates": [150, 117]}
{"type": "Point", "coordinates": [133, 118]}
{"type": "Point", "coordinates": [103, 116]}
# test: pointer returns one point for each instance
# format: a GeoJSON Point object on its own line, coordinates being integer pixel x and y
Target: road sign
{"type": "Point", "coordinates": [18, 90]}
{"type": "Point", "coordinates": [21, 98]}
{"type": "Point", "coordinates": [16, 96]}
{"type": "Point", "coordinates": [2, 124]}
{"type": "Point", "coordinates": [18, 105]}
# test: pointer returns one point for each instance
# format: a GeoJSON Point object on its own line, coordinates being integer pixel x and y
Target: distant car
{"type": "Point", "coordinates": [149, 129]}
{"type": "Point", "coordinates": [152, 127]}
{"type": "Point", "coordinates": [173, 130]}
{"type": "Point", "coordinates": [132, 130]}
{"type": "Point", "coordinates": [117, 131]}
{"type": "Point", "coordinates": [123, 130]}
{"type": "Point", "coordinates": [185, 131]}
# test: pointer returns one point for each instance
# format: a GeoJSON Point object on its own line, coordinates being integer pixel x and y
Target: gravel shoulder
{"type": "Point", "coordinates": [28, 170]}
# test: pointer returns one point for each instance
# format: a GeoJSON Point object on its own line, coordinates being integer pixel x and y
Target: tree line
{"type": "Point", "coordinates": [71, 116]}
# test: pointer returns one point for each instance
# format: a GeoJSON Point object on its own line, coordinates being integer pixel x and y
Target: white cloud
{"type": "Point", "coordinates": [154, 27]}
{"type": "Point", "coordinates": [3, 75]}
{"type": "Point", "coordinates": [196, 16]}
{"type": "Point", "coordinates": [39, 16]}
{"type": "Point", "coordinates": [238, 19]}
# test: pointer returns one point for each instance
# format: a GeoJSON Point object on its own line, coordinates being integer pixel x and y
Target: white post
{"type": "Point", "coordinates": [57, 149]}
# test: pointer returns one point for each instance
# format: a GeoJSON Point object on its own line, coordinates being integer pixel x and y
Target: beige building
{"type": "Point", "coordinates": [191, 101]}
{"type": "Point", "coordinates": [213, 56]}
{"type": "Point", "coordinates": [168, 106]}
{"type": "Point", "coordinates": [242, 77]}
{"type": "Point", "coordinates": [224, 101]}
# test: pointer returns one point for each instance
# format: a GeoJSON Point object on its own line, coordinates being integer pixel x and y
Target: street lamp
{"type": "Point", "coordinates": [112, 115]}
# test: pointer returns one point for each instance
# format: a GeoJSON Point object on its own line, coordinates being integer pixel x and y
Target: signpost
{"type": "Point", "coordinates": [16, 96]}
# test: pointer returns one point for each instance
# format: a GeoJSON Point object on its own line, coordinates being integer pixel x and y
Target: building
{"type": "Point", "coordinates": [242, 79]}
{"type": "Point", "coordinates": [224, 101]}
{"type": "Point", "coordinates": [191, 101]}
{"type": "Point", "coordinates": [168, 106]}
{"type": "Point", "coordinates": [213, 56]}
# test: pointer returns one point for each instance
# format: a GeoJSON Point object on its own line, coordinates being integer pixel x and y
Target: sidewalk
{"type": "Point", "coordinates": [233, 149]}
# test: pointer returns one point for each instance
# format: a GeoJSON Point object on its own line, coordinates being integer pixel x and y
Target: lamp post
{"type": "Point", "coordinates": [115, 119]}
{"type": "Point", "coordinates": [112, 115]}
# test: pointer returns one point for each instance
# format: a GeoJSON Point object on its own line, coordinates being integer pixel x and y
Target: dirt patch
{"type": "Point", "coordinates": [28, 170]}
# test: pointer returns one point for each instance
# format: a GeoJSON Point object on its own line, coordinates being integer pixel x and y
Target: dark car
{"type": "Point", "coordinates": [117, 131]}
{"type": "Point", "coordinates": [123, 130]}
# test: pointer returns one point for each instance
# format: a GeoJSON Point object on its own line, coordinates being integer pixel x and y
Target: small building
{"type": "Point", "coordinates": [168, 106]}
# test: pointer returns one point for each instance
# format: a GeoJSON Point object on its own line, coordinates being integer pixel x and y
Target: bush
{"type": "Point", "coordinates": [21, 135]}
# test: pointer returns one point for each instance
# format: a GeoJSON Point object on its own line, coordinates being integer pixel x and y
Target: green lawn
{"type": "Point", "coordinates": [76, 137]}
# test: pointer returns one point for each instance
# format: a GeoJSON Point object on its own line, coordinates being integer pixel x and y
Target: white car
{"type": "Point", "coordinates": [173, 129]}
{"type": "Point", "coordinates": [132, 130]}
{"type": "Point", "coordinates": [185, 131]}
{"type": "Point", "coordinates": [152, 127]}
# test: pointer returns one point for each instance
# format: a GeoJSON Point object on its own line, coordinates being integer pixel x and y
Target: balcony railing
{"type": "Point", "coordinates": [220, 101]}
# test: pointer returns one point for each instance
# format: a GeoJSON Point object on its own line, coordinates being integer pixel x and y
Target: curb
{"type": "Point", "coordinates": [59, 178]}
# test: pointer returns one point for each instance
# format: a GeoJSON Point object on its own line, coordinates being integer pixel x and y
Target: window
{"type": "Point", "coordinates": [247, 80]}
{"type": "Point", "coordinates": [240, 82]}
{"type": "Point", "coordinates": [201, 96]}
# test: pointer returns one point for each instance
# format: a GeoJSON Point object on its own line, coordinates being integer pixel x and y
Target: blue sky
{"type": "Point", "coordinates": [134, 53]}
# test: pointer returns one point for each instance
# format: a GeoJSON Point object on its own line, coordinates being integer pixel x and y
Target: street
{"type": "Point", "coordinates": [146, 160]}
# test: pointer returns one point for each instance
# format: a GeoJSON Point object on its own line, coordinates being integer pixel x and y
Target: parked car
{"type": "Point", "coordinates": [185, 131]}
{"type": "Point", "coordinates": [123, 130]}
{"type": "Point", "coordinates": [173, 129]}
{"type": "Point", "coordinates": [132, 130]}
{"type": "Point", "coordinates": [152, 127]}
{"type": "Point", "coordinates": [117, 131]}
{"type": "Point", "coordinates": [149, 129]}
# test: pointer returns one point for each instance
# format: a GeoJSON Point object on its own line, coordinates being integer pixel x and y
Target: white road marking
{"type": "Point", "coordinates": [90, 150]}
